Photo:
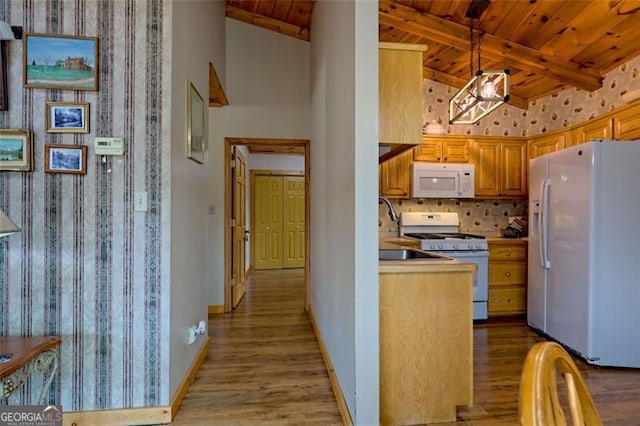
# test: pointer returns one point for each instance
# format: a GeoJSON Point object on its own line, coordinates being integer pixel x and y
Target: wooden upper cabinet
{"type": "Point", "coordinates": [545, 144]}
{"type": "Point", "coordinates": [486, 157]}
{"type": "Point", "coordinates": [592, 129]}
{"type": "Point", "coordinates": [395, 176]}
{"type": "Point", "coordinates": [400, 93]}
{"type": "Point", "coordinates": [626, 124]}
{"type": "Point", "coordinates": [442, 149]}
{"type": "Point", "coordinates": [514, 169]}
{"type": "Point", "coordinates": [501, 168]}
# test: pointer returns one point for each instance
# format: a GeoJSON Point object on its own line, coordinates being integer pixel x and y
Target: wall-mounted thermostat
{"type": "Point", "coordinates": [109, 146]}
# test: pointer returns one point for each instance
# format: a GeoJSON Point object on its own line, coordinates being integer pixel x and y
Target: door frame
{"type": "Point", "coordinates": [278, 146]}
{"type": "Point", "coordinates": [252, 195]}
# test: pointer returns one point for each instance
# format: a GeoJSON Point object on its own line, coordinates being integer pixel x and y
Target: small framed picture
{"type": "Point", "coordinates": [65, 159]}
{"type": "Point", "coordinates": [16, 149]}
{"type": "Point", "coordinates": [56, 61]}
{"type": "Point", "coordinates": [67, 117]}
{"type": "Point", "coordinates": [196, 142]}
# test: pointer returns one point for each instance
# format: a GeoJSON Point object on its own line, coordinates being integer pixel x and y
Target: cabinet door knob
{"type": "Point", "coordinates": [508, 274]}
{"type": "Point", "coordinates": [508, 253]}
{"type": "Point", "coordinates": [446, 158]}
{"type": "Point", "coordinates": [438, 158]}
{"type": "Point", "coordinates": [508, 300]}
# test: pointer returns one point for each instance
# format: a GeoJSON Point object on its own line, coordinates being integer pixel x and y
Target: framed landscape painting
{"type": "Point", "coordinates": [65, 159]}
{"type": "Point", "coordinates": [54, 61]}
{"type": "Point", "coordinates": [16, 149]}
{"type": "Point", "coordinates": [67, 117]}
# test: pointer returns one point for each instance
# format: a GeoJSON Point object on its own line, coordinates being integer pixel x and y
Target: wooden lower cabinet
{"type": "Point", "coordinates": [426, 341]}
{"type": "Point", "coordinates": [507, 277]}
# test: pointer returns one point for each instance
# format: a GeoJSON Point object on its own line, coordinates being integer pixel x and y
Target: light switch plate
{"type": "Point", "coordinates": [140, 201]}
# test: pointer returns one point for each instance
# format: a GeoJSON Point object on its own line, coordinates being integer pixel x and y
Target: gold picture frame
{"type": "Point", "coordinates": [67, 117]}
{"type": "Point", "coordinates": [59, 158]}
{"type": "Point", "coordinates": [58, 61]}
{"type": "Point", "coordinates": [16, 150]}
{"type": "Point", "coordinates": [196, 141]}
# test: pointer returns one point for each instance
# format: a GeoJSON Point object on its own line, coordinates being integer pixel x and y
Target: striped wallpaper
{"type": "Point", "coordinates": [86, 267]}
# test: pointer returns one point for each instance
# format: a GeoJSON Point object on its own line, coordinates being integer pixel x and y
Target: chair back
{"type": "Point", "coordinates": [539, 401]}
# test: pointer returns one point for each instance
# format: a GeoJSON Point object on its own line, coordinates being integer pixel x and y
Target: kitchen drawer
{"type": "Point", "coordinates": [507, 301]}
{"type": "Point", "coordinates": [507, 251]}
{"type": "Point", "coordinates": [507, 273]}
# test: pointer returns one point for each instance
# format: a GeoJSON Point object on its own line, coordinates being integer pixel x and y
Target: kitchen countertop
{"type": "Point", "coordinates": [420, 265]}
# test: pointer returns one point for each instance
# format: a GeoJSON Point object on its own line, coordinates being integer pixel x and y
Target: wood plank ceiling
{"type": "Point", "coordinates": [548, 45]}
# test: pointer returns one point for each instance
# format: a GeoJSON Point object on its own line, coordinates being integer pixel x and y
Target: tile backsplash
{"type": "Point", "coordinates": [486, 217]}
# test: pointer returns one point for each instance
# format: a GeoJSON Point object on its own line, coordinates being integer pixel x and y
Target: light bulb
{"type": "Point", "coordinates": [488, 89]}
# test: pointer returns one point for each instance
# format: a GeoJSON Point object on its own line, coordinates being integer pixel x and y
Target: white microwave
{"type": "Point", "coordinates": [442, 180]}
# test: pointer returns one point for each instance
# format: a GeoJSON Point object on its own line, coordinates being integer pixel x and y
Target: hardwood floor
{"type": "Point", "coordinates": [265, 367]}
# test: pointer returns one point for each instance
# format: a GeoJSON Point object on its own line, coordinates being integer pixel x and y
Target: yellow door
{"type": "Point", "coordinates": [268, 222]}
{"type": "Point", "coordinates": [238, 279]}
{"type": "Point", "coordinates": [293, 218]}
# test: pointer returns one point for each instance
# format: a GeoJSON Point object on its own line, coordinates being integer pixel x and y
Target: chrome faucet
{"type": "Point", "coordinates": [392, 213]}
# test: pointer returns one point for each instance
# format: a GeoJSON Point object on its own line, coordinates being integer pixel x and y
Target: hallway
{"type": "Point", "coordinates": [264, 365]}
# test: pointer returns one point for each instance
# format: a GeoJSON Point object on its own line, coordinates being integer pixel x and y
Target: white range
{"type": "Point", "coordinates": [438, 232]}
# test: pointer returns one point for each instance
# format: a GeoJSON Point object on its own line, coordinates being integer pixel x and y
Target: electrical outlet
{"type": "Point", "coordinates": [201, 328]}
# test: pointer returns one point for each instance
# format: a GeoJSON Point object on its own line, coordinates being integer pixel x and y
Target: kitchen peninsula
{"type": "Point", "coordinates": [426, 338]}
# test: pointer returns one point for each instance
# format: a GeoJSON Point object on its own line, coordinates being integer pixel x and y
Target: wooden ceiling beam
{"type": "Point", "coordinates": [268, 23]}
{"type": "Point", "coordinates": [449, 80]}
{"type": "Point", "coordinates": [456, 35]}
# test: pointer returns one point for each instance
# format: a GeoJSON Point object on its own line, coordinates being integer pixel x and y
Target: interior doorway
{"type": "Point", "coordinates": [232, 235]}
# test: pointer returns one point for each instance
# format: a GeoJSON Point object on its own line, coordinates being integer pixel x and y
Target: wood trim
{"type": "Point", "coordinates": [402, 46]}
{"type": "Point", "coordinates": [228, 143]}
{"type": "Point", "coordinates": [228, 181]}
{"type": "Point", "coordinates": [335, 384]}
{"type": "Point", "coordinates": [127, 416]}
{"type": "Point", "coordinates": [216, 309]}
{"type": "Point", "coordinates": [189, 378]}
{"type": "Point", "coordinates": [276, 25]}
{"type": "Point", "coordinates": [457, 36]}
{"type": "Point", "coordinates": [307, 209]}
{"type": "Point", "coordinates": [144, 415]}
{"type": "Point", "coordinates": [217, 97]}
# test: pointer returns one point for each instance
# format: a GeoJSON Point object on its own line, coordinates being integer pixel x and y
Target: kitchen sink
{"type": "Point", "coordinates": [407, 254]}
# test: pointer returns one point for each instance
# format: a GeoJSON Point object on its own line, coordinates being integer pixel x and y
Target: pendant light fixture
{"type": "Point", "coordinates": [486, 90]}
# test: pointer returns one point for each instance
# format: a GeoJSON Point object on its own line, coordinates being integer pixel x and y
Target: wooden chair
{"type": "Point", "coordinates": [539, 402]}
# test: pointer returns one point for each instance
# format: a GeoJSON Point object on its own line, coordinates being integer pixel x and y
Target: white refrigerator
{"type": "Point", "coordinates": [584, 250]}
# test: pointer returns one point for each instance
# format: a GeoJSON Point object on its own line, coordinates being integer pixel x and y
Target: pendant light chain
{"type": "Point", "coordinates": [479, 42]}
{"type": "Point", "coordinates": [471, 48]}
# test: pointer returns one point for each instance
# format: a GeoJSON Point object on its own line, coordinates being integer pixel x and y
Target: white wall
{"type": "Point", "coordinates": [344, 176]}
{"type": "Point", "coordinates": [275, 162]}
{"type": "Point", "coordinates": [267, 86]}
{"type": "Point", "coordinates": [192, 51]}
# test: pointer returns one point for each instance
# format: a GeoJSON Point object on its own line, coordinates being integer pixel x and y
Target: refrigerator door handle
{"type": "Point", "coordinates": [545, 223]}
{"type": "Point", "coordinates": [540, 223]}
